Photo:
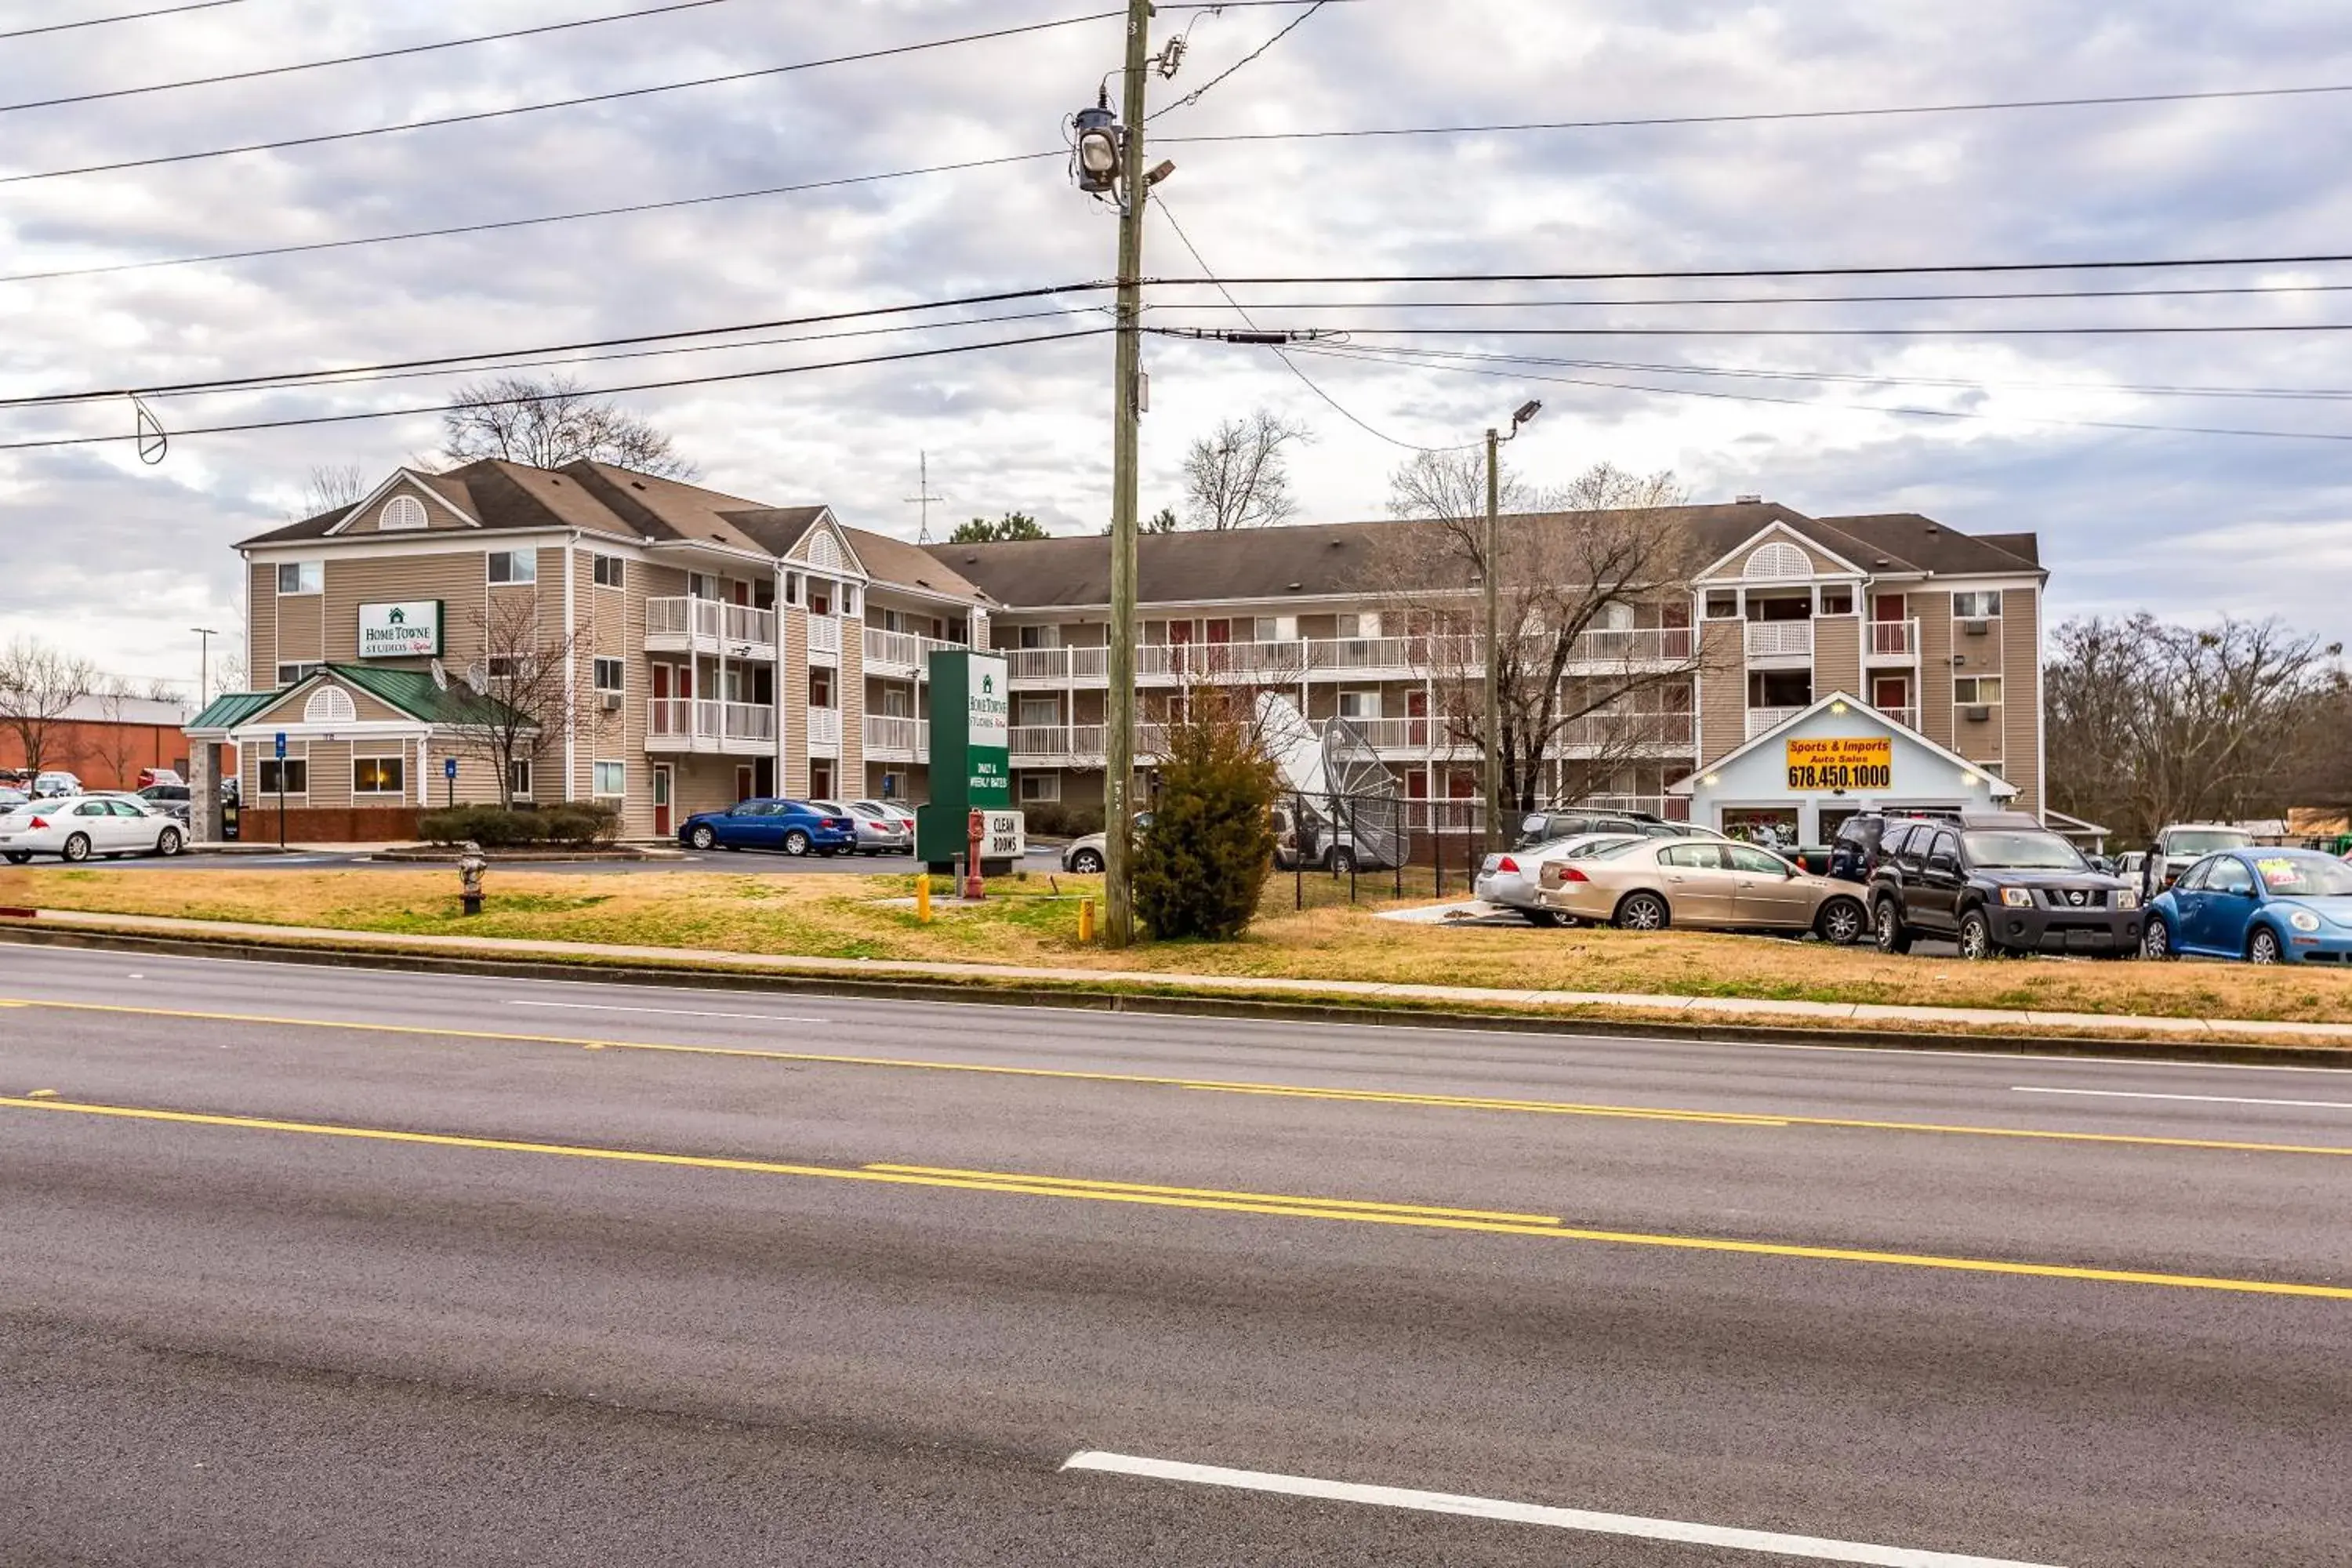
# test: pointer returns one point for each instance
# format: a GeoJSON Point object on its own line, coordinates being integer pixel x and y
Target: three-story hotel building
{"type": "Point", "coordinates": [717, 647]}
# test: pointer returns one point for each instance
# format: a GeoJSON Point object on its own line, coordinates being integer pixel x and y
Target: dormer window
{"type": "Point", "coordinates": [401, 514]}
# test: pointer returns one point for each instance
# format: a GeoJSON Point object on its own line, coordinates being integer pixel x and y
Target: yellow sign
{"type": "Point", "coordinates": [1842, 761]}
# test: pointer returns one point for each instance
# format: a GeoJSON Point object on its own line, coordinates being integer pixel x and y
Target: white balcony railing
{"type": "Point", "coordinates": [825, 635]}
{"type": "Point", "coordinates": [1893, 640]}
{"type": "Point", "coordinates": [682, 723]}
{"type": "Point", "coordinates": [1040, 740]}
{"type": "Point", "coordinates": [1640, 645]}
{"type": "Point", "coordinates": [1661, 733]}
{"type": "Point", "coordinates": [750, 722]}
{"type": "Point", "coordinates": [1048, 664]}
{"type": "Point", "coordinates": [1907, 716]}
{"type": "Point", "coordinates": [747, 624]}
{"type": "Point", "coordinates": [1760, 720]}
{"type": "Point", "coordinates": [1403, 656]}
{"type": "Point", "coordinates": [1777, 640]}
{"type": "Point", "coordinates": [687, 624]}
{"type": "Point", "coordinates": [903, 737]}
{"type": "Point", "coordinates": [824, 729]}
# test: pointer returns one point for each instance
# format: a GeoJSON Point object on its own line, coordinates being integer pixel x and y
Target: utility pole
{"type": "Point", "coordinates": [1493, 836]}
{"type": "Point", "coordinates": [1118, 741]}
{"type": "Point", "coordinates": [205, 636]}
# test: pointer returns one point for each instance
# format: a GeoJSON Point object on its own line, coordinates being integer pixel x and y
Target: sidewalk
{"type": "Point", "coordinates": [1713, 1010]}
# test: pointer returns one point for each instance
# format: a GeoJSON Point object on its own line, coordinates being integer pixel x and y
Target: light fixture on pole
{"type": "Point", "coordinates": [1096, 149]}
{"type": "Point", "coordinates": [205, 636]}
{"type": "Point", "coordinates": [1493, 574]}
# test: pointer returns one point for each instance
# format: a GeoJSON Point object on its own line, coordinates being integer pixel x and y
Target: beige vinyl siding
{"type": "Point", "coordinates": [261, 628]}
{"type": "Point", "coordinates": [851, 690]}
{"type": "Point", "coordinates": [1934, 612]}
{"type": "Point", "coordinates": [791, 682]}
{"type": "Point", "coordinates": [455, 579]}
{"type": "Point", "coordinates": [1837, 657]}
{"type": "Point", "coordinates": [302, 638]}
{"type": "Point", "coordinates": [2021, 687]}
{"type": "Point", "coordinates": [1723, 692]}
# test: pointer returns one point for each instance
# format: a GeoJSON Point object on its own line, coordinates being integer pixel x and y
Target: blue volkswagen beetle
{"type": "Point", "coordinates": [2266, 906]}
{"type": "Point", "coordinates": [791, 826]}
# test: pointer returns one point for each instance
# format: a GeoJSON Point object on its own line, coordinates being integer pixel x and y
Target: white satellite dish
{"type": "Point", "coordinates": [440, 675]}
{"type": "Point", "coordinates": [479, 678]}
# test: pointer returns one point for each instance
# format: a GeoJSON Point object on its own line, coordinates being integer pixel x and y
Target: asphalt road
{"type": "Point", "coordinates": [624, 1285]}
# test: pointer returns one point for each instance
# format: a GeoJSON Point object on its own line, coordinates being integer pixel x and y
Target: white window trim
{"type": "Point", "coordinates": [304, 571]}
{"type": "Point", "coordinates": [1960, 701]}
{"type": "Point", "coordinates": [1052, 793]}
{"type": "Point", "coordinates": [597, 780]}
{"type": "Point", "coordinates": [620, 670]}
{"type": "Point", "coordinates": [398, 792]}
{"type": "Point", "coordinates": [619, 563]}
{"type": "Point", "coordinates": [510, 557]}
{"type": "Point", "coordinates": [303, 671]}
{"type": "Point", "coordinates": [413, 517]}
{"type": "Point", "coordinates": [529, 789]}
{"type": "Point", "coordinates": [303, 757]}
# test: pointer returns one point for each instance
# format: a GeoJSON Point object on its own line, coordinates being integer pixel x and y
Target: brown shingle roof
{"type": "Point", "coordinates": [1907, 537]}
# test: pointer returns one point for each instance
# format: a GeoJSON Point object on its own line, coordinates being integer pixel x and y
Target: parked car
{"type": "Point", "coordinates": [80, 827]}
{"type": "Point", "coordinates": [2183, 845]}
{"type": "Point", "coordinates": [877, 834]}
{"type": "Point", "coordinates": [791, 826]}
{"type": "Point", "coordinates": [1705, 882]}
{"type": "Point", "coordinates": [1089, 855]}
{"type": "Point", "coordinates": [12, 797]}
{"type": "Point", "coordinates": [1995, 882]}
{"type": "Point", "coordinates": [1570, 822]}
{"type": "Point", "coordinates": [52, 785]}
{"type": "Point", "coordinates": [1308, 837]}
{"type": "Point", "coordinates": [1514, 880]}
{"type": "Point", "coordinates": [151, 776]}
{"type": "Point", "coordinates": [1854, 851]}
{"type": "Point", "coordinates": [171, 799]}
{"type": "Point", "coordinates": [888, 810]}
{"type": "Point", "coordinates": [2265, 906]}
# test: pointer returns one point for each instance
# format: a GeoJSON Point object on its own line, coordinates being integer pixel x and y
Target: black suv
{"type": "Point", "coordinates": [1996, 882]}
{"type": "Point", "coordinates": [1854, 852]}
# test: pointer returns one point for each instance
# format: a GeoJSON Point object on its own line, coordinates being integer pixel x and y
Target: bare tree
{"type": "Point", "coordinates": [1595, 652]}
{"type": "Point", "coordinates": [1239, 478]}
{"type": "Point", "coordinates": [518, 701]}
{"type": "Point", "coordinates": [114, 745]}
{"type": "Point", "coordinates": [161, 688]}
{"type": "Point", "coordinates": [38, 684]}
{"type": "Point", "coordinates": [2151, 724]}
{"type": "Point", "coordinates": [549, 422]}
{"type": "Point", "coordinates": [331, 487]}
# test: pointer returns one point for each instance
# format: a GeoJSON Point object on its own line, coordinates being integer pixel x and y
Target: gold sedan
{"type": "Point", "coordinates": [1704, 882]}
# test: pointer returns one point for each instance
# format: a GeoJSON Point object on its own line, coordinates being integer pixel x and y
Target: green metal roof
{"type": "Point", "coordinates": [231, 709]}
{"type": "Point", "coordinates": [414, 691]}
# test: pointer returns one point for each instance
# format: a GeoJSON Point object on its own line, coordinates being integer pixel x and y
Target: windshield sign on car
{"type": "Point", "coordinates": [2297, 878]}
{"type": "Point", "coordinates": [1995, 850]}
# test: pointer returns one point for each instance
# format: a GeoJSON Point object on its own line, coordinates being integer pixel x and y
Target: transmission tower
{"type": "Point", "coordinates": [926, 499]}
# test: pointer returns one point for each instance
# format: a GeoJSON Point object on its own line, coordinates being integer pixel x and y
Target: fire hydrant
{"type": "Point", "coordinates": [472, 865]}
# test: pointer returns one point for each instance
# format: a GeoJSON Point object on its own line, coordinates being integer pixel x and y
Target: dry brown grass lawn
{"type": "Point", "coordinates": [839, 917]}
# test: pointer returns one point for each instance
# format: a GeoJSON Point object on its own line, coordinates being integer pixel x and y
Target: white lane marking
{"type": "Point", "coordinates": [1805, 1546]}
{"type": "Point", "coordinates": [674, 1012]}
{"type": "Point", "coordinates": [2199, 1099]}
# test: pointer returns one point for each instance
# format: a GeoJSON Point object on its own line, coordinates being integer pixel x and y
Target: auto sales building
{"type": "Point", "coordinates": [1799, 782]}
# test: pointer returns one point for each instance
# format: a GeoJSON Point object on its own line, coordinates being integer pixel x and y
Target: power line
{"type": "Point", "coordinates": [2201, 330]}
{"type": "Point", "coordinates": [1202, 91]}
{"type": "Point", "coordinates": [233, 384]}
{"type": "Point", "coordinates": [358, 59]}
{"type": "Point", "coordinates": [2003, 297]}
{"type": "Point", "coordinates": [597, 391]}
{"type": "Point", "coordinates": [1345, 413]}
{"type": "Point", "coordinates": [528, 222]}
{"type": "Point", "coordinates": [108, 21]}
{"type": "Point", "coordinates": [486, 114]}
{"type": "Point", "coordinates": [1375, 357]}
{"type": "Point", "coordinates": [1702, 274]}
{"type": "Point", "coordinates": [1768, 116]}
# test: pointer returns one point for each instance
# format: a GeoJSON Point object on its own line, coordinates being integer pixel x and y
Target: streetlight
{"type": "Point", "coordinates": [1521, 418]}
{"type": "Point", "coordinates": [204, 665]}
{"type": "Point", "coordinates": [1094, 161]}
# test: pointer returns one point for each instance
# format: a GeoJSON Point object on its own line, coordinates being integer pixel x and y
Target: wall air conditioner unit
{"type": "Point", "coordinates": [1976, 629]}
{"type": "Point", "coordinates": [1975, 715]}
{"type": "Point", "coordinates": [610, 701]}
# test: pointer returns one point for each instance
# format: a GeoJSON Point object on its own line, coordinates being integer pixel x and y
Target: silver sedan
{"type": "Point", "coordinates": [1512, 881]}
{"type": "Point", "coordinates": [879, 833]}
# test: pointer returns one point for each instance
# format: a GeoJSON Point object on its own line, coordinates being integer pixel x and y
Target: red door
{"type": "Point", "coordinates": [662, 790]}
{"type": "Point", "coordinates": [1417, 708]}
{"type": "Point", "coordinates": [1890, 694]}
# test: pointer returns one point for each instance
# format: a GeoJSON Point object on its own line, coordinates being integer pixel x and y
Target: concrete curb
{"type": "Point", "coordinates": [1119, 999]}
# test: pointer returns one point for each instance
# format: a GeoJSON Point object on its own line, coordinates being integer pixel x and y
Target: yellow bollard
{"type": "Point", "coordinates": [1086, 920]}
{"type": "Point", "coordinates": [923, 898]}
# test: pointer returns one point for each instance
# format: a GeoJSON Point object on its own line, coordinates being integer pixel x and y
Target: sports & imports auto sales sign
{"type": "Point", "coordinates": [409, 630]}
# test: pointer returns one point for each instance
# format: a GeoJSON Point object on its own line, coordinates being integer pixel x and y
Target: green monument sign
{"type": "Point", "coordinates": [972, 741]}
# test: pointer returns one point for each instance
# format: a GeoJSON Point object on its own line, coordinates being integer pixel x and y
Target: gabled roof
{"type": "Point", "coordinates": [412, 691]}
{"type": "Point", "coordinates": [1780, 528]}
{"type": "Point", "coordinates": [1905, 537]}
{"type": "Point", "coordinates": [1997, 787]}
{"type": "Point", "coordinates": [453, 504]}
{"type": "Point", "coordinates": [231, 709]}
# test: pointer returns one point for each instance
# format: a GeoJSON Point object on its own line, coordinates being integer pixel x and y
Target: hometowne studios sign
{"type": "Point", "coordinates": [972, 750]}
{"type": "Point", "coordinates": [411, 629]}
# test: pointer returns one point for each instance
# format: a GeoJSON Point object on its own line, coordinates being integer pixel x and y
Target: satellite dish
{"type": "Point", "coordinates": [440, 675]}
{"type": "Point", "coordinates": [1365, 800]}
{"type": "Point", "coordinates": [477, 678]}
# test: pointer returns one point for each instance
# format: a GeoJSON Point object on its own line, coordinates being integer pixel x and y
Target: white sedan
{"type": "Point", "coordinates": [1512, 881]}
{"type": "Point", "coordinates": [77, 827]}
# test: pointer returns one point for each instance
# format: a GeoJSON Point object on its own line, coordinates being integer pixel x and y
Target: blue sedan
{"type": "Point", "coordinates": [791, 826]}
{"type": "Point", "coordinates": [2266, 906]}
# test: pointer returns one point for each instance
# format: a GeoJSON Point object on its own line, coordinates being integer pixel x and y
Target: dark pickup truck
{"type": "Point", "coordinates": [1998, 882]}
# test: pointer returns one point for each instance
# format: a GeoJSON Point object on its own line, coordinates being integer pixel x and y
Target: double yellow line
{"type": "Point", "coordinates": [1350, 1211]}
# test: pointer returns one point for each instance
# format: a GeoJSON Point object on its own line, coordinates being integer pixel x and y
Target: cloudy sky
{"type": "Point", "coordinates": [115, 558]}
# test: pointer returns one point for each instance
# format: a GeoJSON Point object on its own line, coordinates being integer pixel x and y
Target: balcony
{"type": "Point", "coordinates": [890, 740]}
{"type": "Point", "coordinates": [1760, 720]}
{"type": "Point", "coordinates": [1780, 640]}
{"type": "Point", "coordinates": [824, 730]}
{"type": "Point", "coordinates": [1890, 642]}
{"type": "Point", "coordinates": [902, 653]}
{"type": "Point", "coordinates": [824, 637]}
{"type": "Point", "coordinates": [696, 724]}
{"type": "Point", "coordinates": [1907, 716]}
{"type": "Point", "coordinates": [1342, 658]}
{"type": "Point", "coordinates": [1077, 745]}
{"type": "Point", "coordinates": [709, 626]}
{"type": "Point", "coordinates": [1650, 735]}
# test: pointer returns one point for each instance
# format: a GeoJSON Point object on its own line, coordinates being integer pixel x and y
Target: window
{"type": "Point", "coordinates": [329, 705]}
{"type": "Point", "coordinates": [1692, 857]}
{"type": "Point", "coordinates": [610, 675]}
{"type": "Point", "coordinates": [2195, 881]}
{"type": "Point", "coordinates": [514, 566]}
{"type": "Point", "coordinates": [791, 587]}
{"type": "Point", "coordinates": [1040, 712]}
{"type": "Point", "coordinates": [820, 688]}
{"type": "Point", "coordinates": [1040, 788]}
{"type": "Point", "coordinates": [1978, 606]}
{"type": "Point", "coordinates": [1359, 625]}
{"type": "Point", "coordinates": [850, 599]}
{"type": "Point", "coordinates": [1616, 616]}
{"type": "Point", "coordinates": [702, 585]}
{"type": "Point", "coordinates": [295, 674]}
{"type": "Point", "coordinates": [1359, 705]}
{"type": "Point", "coordinates": [508, 667]}
{"type": "Point", "coordinates": [301, 577]}
{"type": "Point", "coordinates": [379, 776]}
{"type": "Point", "coordinates": [2229, 875]}
{"type": "Point", "coordinates": [1778, 562]}
{"type": "Point", "coordinates": [610, 570]}
{"type": "Point", "coordinates": [1837, 601]}
{"type": "Point", "coordinates": [610, 780]}
{"type": "Point", "coordinates": [1976, 690]}
{"type": "Point", "coordinates": [1722, 607]}
{"type": "Point", "coordinates": [297, 772]}
{"type": "Point", "coordinates": [518, 778]}
{"type": "Point", "coordinates": [1041, 637]}
{"type": "Point", "coordinates": [820, 597]}
{"type": "Point", "coordinates": [1754, 861]}
{"type": "Point", "coordinates": [401, 514]}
